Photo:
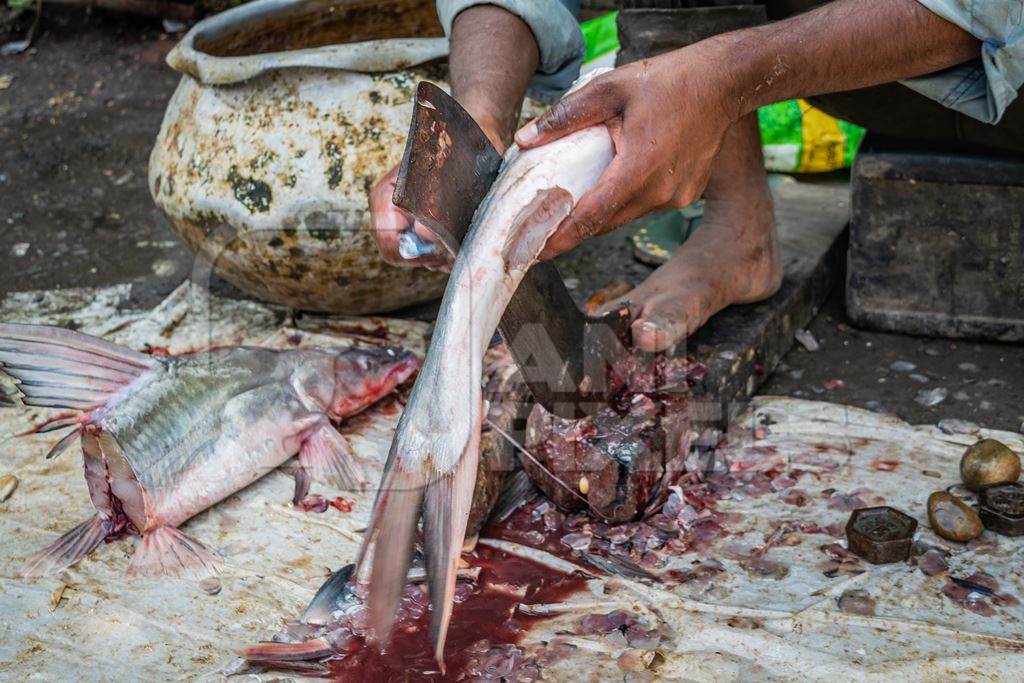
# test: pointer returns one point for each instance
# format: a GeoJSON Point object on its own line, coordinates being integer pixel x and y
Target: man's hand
{"type": "Point", "coordinates": [667, 117]}
{"type": "Point", "coordinates": [493, 56]}
{"type": "Point", "coordinates": [389, 222]}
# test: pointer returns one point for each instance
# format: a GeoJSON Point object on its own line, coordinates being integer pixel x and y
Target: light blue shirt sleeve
{"type": "Point", "coordinates": [985, 87]}
{"type": "Point", "coordinates": [555, 28]}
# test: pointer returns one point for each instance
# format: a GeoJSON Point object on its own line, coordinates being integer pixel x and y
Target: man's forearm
{"type": "Point", "coordinates": [844, 45]}
{"type": "Point", "coordinates": [493, 57]}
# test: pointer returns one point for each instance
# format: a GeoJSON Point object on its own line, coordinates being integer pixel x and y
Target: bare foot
{"type": "Point", "coordinates": [732, 258]}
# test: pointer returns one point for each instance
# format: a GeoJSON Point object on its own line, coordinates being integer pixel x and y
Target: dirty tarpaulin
{"type": "Point", "coordinates": [275, 554]}
{"type": "Point", "coordinates": [777, 616]}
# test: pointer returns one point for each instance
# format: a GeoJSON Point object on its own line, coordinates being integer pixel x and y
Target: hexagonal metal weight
{"type": "Point", "coordinates": [880, 535]}
{"type": "Point", "coordinates": [1001, 508]}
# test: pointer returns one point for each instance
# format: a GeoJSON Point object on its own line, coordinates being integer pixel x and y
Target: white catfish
{"type": "Point", "coordinates": [432, 465]}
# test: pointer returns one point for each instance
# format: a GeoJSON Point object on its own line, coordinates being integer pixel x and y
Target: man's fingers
{"type": "Point", "coordinates": [389, 222]}
{"type": "Point", "coordinates": [597, 211]}
{"type": "Point", "coordinates": [592, 104]}
{"type": "Point", "coordinates": [571, 235]}
{"type": "Point", "coordinates": [436, 260]}
{"type": "Point", "coordinates": [387, 228]}
{"type": "Point", "coordinates": [386, 220]}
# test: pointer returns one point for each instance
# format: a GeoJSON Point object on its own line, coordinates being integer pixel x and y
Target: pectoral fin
{"type": "Point", "coordinates": [337, 589]}
{"type": "Point", "coordinates": [68, 549]}
{"type": "Point", "coordinates": [517, 490]}
{"type": "Point", "coordinates": [63, 444]}
{"type": "Point", "coordinates": [327, 457]}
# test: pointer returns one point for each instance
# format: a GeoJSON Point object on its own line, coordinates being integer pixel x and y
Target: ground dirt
{"type": "Point", "coordinates": [79, 113]}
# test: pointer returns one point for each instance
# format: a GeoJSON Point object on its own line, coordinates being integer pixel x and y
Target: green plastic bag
{"type": "Point", "coordinates": [796, 137]}
{"type": "Point", "coordinates": [600, 36]}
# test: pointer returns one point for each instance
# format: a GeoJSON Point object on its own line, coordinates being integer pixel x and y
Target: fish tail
{"type": "Point", "coordinates": [165, 551]}
{"type": "Point", "coordinates": [408, 492]}
{"type": "Point", "coordinates": [391, 532]}
{"type": "Point", "coordinates": [58, 368]}
{"type": "Point", "coordinates": [517, 490]}
{"type": "Point", "coordinates": [445, 514]}
{"type": "Point", "coordinates": [329, 597]}
{"type": "Point", "coordinates": [68, 549]}
{"type": "Point", "coordinates": [415, 486]}
{"type": "Point", "coordinates": [287, 652]}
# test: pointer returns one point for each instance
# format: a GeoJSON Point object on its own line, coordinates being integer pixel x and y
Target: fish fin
{"type": "Point", "coordinates": [287, 652]}
{"type": "Point", "coordinates": [63, 444]}
{"type": "Point", "coordinates": [362, 566]}
{"type": "Point", "coordinates": [165, 551]}
{"type": "Point", "coordinates": [445, 514]}
{"type": "Point", "coordinates": [330, 596]}
{"type": "Point", "coordinates": [391, 531]}
{"type": "Point", "coordinates": [57, 368]}
{"type": "Point", "coordinates": [68, 549]}
{"type": "Point", "coordinates": [327, 457]}
{"type": "Point", "coordinates": [56, 424]}
{"type": "Point", "coordinates": [517, 490]}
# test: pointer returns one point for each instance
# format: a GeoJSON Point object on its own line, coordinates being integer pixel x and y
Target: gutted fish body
{"type": "Point", "coordinates": [432, 465]}
{"type": "Point", "coordinates": [165, 438]}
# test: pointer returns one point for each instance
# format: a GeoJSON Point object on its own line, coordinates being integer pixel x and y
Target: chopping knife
{"type": "Point", "coordinates": [447, 169]}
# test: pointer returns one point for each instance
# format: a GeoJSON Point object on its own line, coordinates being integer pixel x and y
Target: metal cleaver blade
{"type": "Point", "coordinates": [446, 171]}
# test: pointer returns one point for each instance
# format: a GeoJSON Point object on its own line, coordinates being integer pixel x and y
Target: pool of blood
{"type": "Point", "coordinates": [543, 532]}
{"type": "Point", "coordinates": [487, 613]}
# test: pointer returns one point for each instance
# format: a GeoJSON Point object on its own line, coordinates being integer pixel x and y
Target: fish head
{"type": "Point", "coordinates": [362, 376]}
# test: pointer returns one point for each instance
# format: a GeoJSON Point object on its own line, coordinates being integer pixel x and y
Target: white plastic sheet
{"type": "Point", "coordinates": [94, 623]}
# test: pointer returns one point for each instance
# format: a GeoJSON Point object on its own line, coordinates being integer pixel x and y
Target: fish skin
{"type": "Point", "coordinates": [185, 432]}
{"type": "Point", "coordinates": [215, 422]}
{"type": "Point", "coordinates": [432, 463]}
